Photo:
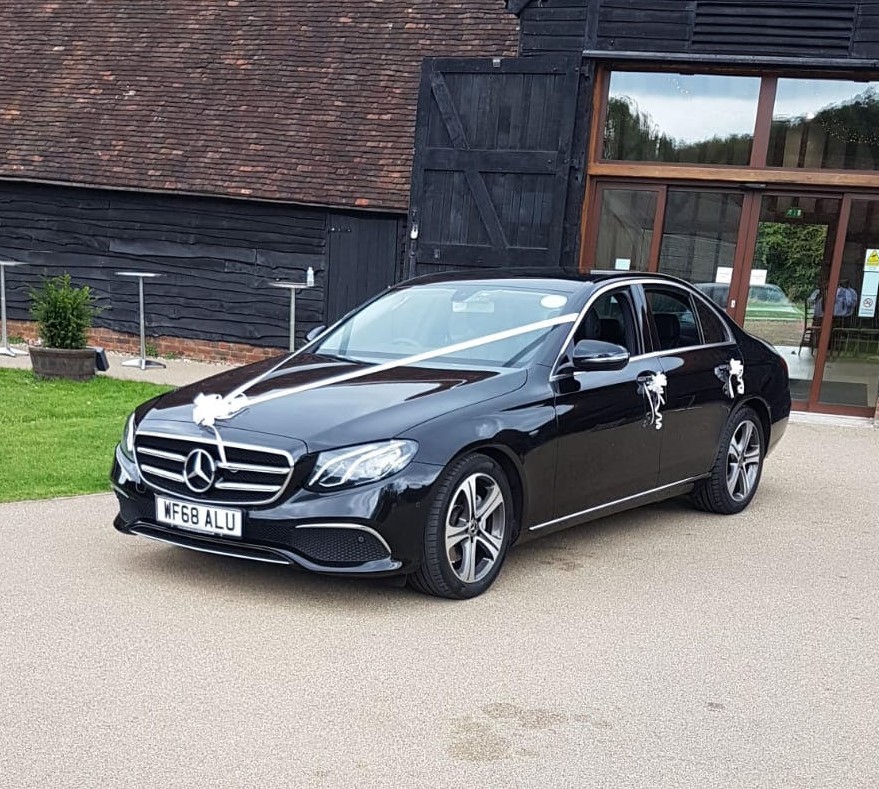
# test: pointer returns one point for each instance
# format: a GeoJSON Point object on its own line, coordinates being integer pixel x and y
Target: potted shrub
{"type": "Point", "coordinates": [64, 315]}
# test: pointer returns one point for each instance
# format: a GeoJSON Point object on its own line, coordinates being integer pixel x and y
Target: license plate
{"type": "Point", "coordinates": [218, 521]}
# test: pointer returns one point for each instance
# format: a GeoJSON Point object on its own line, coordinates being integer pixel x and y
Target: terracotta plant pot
{"type": "Point", "coordinates": [76, 365]}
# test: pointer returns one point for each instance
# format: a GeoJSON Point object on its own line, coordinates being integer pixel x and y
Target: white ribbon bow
{"type": "Point", "coordinates": [737, 371]}
{"type": "Point", "coordinates": [207, 409]}
{"type": "Point", "coordinates": [655, 391]}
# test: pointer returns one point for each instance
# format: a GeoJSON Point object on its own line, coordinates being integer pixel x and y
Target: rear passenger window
{"type": "Point", "coordinates": [673, 318]}
{"type": "Point", "coordinates": [713, 329]}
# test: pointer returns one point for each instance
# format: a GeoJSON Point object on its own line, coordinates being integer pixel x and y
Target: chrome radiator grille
{"type": "Point", "coordinates": [195, 469]}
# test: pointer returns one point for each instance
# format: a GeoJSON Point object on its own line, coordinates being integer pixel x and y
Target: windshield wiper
{"type": "Point", "coordinates": [339, 357]}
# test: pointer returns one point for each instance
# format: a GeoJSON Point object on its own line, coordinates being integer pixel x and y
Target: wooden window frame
{"type": "Point", "coordinates": [755, 172]}
{"type": "Point", "coordinates": [590, 229]}
{"type": "Point", "coordinates": [755, 180]}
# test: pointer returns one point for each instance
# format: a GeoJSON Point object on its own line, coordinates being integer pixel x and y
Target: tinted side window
{"type": "Point", "coordinates": [673, 318]}
{"type": "Point", "coordinates": [610, 319]}
{"type": "Point", "coordinates": [713, 329]}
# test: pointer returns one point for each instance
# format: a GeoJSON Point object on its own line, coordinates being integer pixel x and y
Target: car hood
{"type": "Point", "coordinates": [375, 406]}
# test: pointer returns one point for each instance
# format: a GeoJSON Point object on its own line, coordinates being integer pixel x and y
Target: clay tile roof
{"type": "Point", "coordinates": [310, 102]}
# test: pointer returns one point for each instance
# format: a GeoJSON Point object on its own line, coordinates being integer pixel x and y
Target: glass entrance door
{"type": "Point", "coordinates": [799, 269]}
{"type": "Point", "coordinates": [850, 373]}
{"type": "Point", "coordinates": [780, 295]}
{"type": "Point", "coordinates": [808, 288]}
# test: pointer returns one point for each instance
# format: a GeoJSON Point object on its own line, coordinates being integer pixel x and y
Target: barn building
{"type": "Point", "coordinates": [731, 143]}
{"type": "Point", "coordinates": [224, 144]}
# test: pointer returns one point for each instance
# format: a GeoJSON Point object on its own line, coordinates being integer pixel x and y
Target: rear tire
{"type": "Point", "coordinates": [468, 530]}
{"type": "Point", "coordinates": [737, 467]}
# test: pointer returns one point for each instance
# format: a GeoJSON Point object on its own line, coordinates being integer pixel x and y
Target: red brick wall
{"type": "Point", "coordinates": [200, 350]}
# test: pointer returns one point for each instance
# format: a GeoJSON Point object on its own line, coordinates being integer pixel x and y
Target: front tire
{"type": "Point", "coordinates": [468, 530]}
{"type": "Point", "coordinates": [737, 468]}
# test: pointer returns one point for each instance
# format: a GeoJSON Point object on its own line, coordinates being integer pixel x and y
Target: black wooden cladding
{"type": "Point", "coordinates": [865, 42]}
{"type": "Point", "coordinates": [651, 25]}
{"type": "Point", "coordinates": [364, 258]}
{"type": "Point", "coordinates": [553, 26]}
{"type": "Point", "coordinates": [218, 258]}
{"type": "Point", "coordinates": [492, 159]}
{"type": "Point", "coordinates": [774, 27]}
{"type": "Point", "coordinates": [807, 30]}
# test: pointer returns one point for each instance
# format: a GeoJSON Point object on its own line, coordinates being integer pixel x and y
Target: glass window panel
{"type": "Point", "coordinates": [825, 123]}
{"type": "Point", "coordinates": [699, 239]}
{"type": "Point", "coordinates": [713, 331]}
{"type": "Point", "coordinates": [610, 319]}
{"type": "Point", "coordinates": [792, 257]}
{"type": "Point", "coordinates": [673, 318]}
{"type": "Point", "coordinates": [697, 119]}
{"type": "Point", "coordinates": [625, 229]}
{"type": "Point", "coordinates": [852, 368]}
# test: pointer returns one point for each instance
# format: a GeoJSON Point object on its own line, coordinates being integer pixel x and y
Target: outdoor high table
{"type": "Point", "coordinates": [5, 350]}
{"type": "Point", "coordinates": [143, 363]}
{"type": "Point", "coordinates": [293, 287]}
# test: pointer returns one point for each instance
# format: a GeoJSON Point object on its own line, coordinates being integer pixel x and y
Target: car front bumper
{"type": "Point", "coordinates": [375, 529]}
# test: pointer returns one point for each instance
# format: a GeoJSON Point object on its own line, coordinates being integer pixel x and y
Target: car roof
{"type": "Point", "coordinates": [572, 276]}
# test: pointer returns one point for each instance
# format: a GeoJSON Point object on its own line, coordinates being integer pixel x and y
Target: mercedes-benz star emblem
{"type": "Point", "coordinates": [199, 470]}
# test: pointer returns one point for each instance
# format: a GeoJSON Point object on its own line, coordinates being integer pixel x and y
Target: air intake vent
{"type": "Point", "coordinates": [783, 27]}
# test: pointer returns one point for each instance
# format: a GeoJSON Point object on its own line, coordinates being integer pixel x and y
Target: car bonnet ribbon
{"type": "Point", "coordinates": [209, 408]}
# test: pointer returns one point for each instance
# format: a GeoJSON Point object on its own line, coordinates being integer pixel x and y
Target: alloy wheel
{"type": "Point", "coordinates": [743, 460]}
{"type": "Point", "coordinates": [475, 525]}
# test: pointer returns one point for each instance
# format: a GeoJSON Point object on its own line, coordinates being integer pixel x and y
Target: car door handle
{"type": "Point", "coordinates": [645, 378]}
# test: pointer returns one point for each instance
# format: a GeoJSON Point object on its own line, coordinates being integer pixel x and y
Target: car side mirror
{"type": "Point", "coordinates": [315, 333]}
{"type": "Point", "coordinates": [599, 355]}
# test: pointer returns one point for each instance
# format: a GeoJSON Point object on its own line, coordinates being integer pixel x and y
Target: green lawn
{"type": "Point", "coordinates": [57, 437]}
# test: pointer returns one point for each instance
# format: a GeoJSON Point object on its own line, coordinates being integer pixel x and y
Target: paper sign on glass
{"type": "Point", "coordinates": [869, 291]}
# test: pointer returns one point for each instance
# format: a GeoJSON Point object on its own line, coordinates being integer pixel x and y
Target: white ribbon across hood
{"type": "Point", "coordinates": [207, 409]}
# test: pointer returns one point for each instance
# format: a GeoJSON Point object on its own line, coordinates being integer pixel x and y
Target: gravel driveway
{"type": "Point", "coordinates": [659, 648]}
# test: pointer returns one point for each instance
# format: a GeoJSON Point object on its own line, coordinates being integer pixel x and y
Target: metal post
{"type": "Point", "coordinates": [141, 363]}
{"type": "Point", "coordinates": [293, 287]}
{"type": "Point", "coordinates": [142, 324]}
{"type": "Point", "coordinates": [292, 319]}
{"type": "Point", "coordinates": [5, 338]}
{"type": "Point", "coordinates": [5, 350]}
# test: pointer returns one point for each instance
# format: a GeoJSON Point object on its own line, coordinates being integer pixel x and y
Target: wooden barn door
{"type": "Point", "coordinates": [363, 259]}
{"type": "Point", "coordinates": [492, 159]}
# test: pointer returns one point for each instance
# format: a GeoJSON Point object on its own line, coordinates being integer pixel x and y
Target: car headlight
{"type": "Point", "coordinates": [365, 463]}
{"type": "Point", "coordinates": [126, 445]}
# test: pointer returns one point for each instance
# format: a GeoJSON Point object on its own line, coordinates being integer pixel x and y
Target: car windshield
{"type": "Point", "coordinates": [427, 318]}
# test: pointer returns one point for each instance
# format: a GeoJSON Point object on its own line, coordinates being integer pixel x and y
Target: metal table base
{"type": "Point", "coordinates": [142, 363]}
{"type": "Point", "coordinates": [292, 287]}
{"type": "Point", "coordinates": [5, 350]}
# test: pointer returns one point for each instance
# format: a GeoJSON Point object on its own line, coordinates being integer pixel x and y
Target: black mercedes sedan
{"type": "Point", "coordinates": [454, 415]}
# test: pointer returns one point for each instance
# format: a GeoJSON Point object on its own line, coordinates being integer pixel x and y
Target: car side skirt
{"type": "Point", "coordinates": [620, 505]}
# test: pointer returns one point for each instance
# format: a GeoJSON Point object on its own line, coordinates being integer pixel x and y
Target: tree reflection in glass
{"type": "Point", "coordinates": [825, 124]}
{"type": "Point", "coordinates": [676, 118]}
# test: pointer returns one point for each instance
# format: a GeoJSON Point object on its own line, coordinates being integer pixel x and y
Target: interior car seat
{"type": "Point", "coordinates": [612, 331]}
{"type": "Point", "coordinates": [668, 327]}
